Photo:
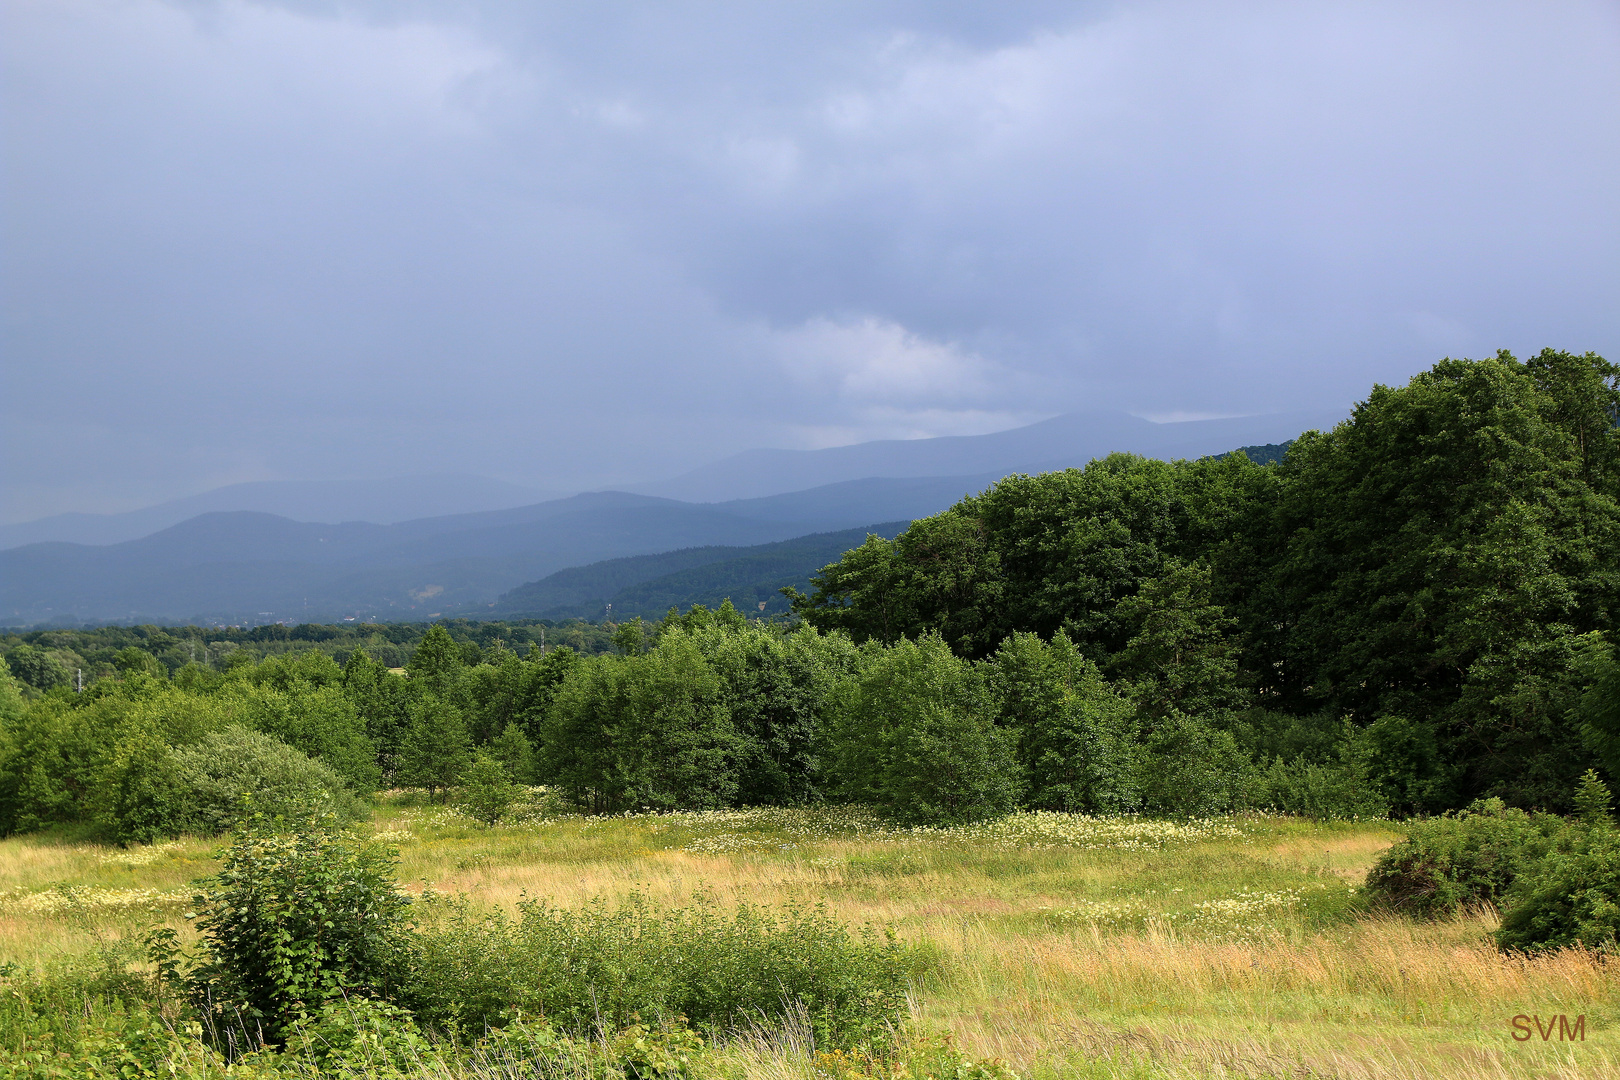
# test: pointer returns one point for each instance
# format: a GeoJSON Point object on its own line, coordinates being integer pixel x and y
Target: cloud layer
{"type": "Point", "coordinates": [579, 244]}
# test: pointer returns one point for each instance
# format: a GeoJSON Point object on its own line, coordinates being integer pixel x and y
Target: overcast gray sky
{"type": "Point", "coordinates": [579, 244]}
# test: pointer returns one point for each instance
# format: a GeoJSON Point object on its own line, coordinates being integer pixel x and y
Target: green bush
{"type": "Point", "coordinates": [602, 967]}
{"type": "Point", "coordinates": [527, 1047]}
{"type": "Point", "coordinates": [215, 774]}
{"type": "Point", "coordinates": [359, 1036]}
{"type": "Point", "coordinates": [652, 730]}
{"type": "Point", "coordinates": [1076, 735]}
{"type": "Point", "coordinates": [320, 721]}
{"type": "Point", "coordinates": [1338, 785]}
{"type": "Point", "coordinates": [153, 790]}
{"type": "Point", "coordinates": [1471, 857]}
{"type": "Point", "coordinates": [1190, 766]}
{"type": "Point", "coordinates": [295, 919]}
{"type": "Point", "coordinates": [1568, 898]}
{"type": "Point", "coordinates": [1572, 895]}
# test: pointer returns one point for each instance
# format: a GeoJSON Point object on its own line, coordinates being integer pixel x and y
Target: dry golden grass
{"type": "Point", "coordinates": [1285, 979]}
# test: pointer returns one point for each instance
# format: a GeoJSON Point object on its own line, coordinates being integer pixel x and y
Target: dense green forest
{"type": "Point", "coordinates": [1431, 583]}
{"type": "Point", "coordinates": [1404, 614]}
{"type": "Point", "coordinates": [43, 659]}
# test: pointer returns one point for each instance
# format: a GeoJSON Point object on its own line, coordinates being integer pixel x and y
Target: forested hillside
{"type": "Point", "coordinates": [1441, 571]}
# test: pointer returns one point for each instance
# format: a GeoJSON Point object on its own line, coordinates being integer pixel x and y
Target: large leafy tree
{"type": "Point", "coordinates": [1076, 736]}
{"type": "Point", "coordinates": [1440, 555]}
{"type": "Point", "coordinates": [651, 730]}
{"type": "Point", "coordinates": [1037, 554]}
{"type": "Point", "coordinates": [778, 689]}
{"type": "Point", "coordinates": [917, 735]}
{"type": "Point", "coordinates": [438, 667]}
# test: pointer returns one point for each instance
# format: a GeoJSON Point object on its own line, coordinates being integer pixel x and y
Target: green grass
{"type": "Point", "coordinates": [1065, 946]}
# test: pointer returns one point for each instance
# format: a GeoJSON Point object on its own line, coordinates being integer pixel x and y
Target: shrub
{"type": "Point", "coordinates": [1568, 898]}
{"type": "Point", "coordinates": [218, 771]}
{"type": "Point", "coordinates": [1076, 736]}
{"type": "Point", "coordinates": [294, 919]}
{"type": "Point", "coordinates": [608, 967]}
{"type": "Point", "coordinates": [318, 720]}
{"type": "Point", "coordinates": [514, 751]}
{"type": "Point", "coordinates": [1191, 767]}
{"type": "Point", "coordinates": [534, 1048]}
{"type": "Point", "coordinates": [359, 1036]}
{"type": "Point", "coordinates": [647, 731]}
{"type": "Point", "coordinates": [1340, 787]}
{"type": "Point", "coordinates": [1571, 896]}
{"type": "Point", "coordinates": [1472, 857]}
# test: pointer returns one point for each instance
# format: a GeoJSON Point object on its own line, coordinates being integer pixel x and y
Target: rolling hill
{"type": "Point", "coordinates": [240, 566]}
{"type": "Point", "coordinates": [649, 585]}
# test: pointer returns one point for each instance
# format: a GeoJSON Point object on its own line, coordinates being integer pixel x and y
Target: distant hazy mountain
{"type": "Point", "coordinates": [242, 566]}
{"type": "Point", "coordinates": [238, 566]}
{"type": "Point", "coordinates": [1061, 442]}
{"type": "Point", "coordinates": [399, 498]}
{"type": "Point", "coordinates": [649, 585]}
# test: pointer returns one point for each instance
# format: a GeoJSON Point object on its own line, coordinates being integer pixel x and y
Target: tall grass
{"type": "Point", "coordinates": [1115, 949]}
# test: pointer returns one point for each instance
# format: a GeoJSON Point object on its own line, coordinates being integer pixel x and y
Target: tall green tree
{"type": "Point", "coordinates": [1039, 554]}
{"type": "Point", "coordinates": [778, 687]}
{"type": "Point", "coordinates": [380, 699]}
{"type": "Point", "coordinates": [435, 748]}
{"type": "Point", "coordinates": [646, 731]}
{"type": "Point", "coordinates": [319, 721]}
{"type": "Point", "coordinates": [438, 668]}
{"type": "Point", "coordinates": [1441, 554]}
{"type": "Point", "coordinates": [1181, 655]}
{"type": "Point", "coordinates": [1076, 735]}
{"type": "Point", "coordinates": [915, 734]}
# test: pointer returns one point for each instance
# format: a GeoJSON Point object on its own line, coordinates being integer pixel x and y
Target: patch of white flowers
{"type": "Point", "coordinates": [783, 828]}
{"type": "Point", "coordinates": [140, 856]}
{"type": "Point", "coordinates": [726, 843]}
{"type": "Point", "coordinates": [1100, 912]}
{"type": "Point", "coordinates": [73, 898]}
{"type": "Point", "coordinates": [1046, 829]}
{"type": "Point", "coordinates": [1243, 905]}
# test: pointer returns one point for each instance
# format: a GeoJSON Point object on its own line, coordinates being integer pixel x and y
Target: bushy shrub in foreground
{"type": "Point", "coordinates": [295, 917]}
{"type": "Point", "coordinates": [1472, 857]}
{"type": "Point", "coordinates": [1572, 895]}
{"type": "Point", "coordinates": [604, 967]}
{"type": "Point", "coordinates": [1557, 880]}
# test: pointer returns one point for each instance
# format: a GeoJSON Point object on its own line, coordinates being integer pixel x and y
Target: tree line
{"type": "Point", "coordinates": [1432, 584]}
{"type": "Point", "coordinates": [1404, 614]}
{"type": "Point", "coordinates": [46, 660]}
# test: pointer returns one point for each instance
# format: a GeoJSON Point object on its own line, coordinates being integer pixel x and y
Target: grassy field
{"type": "Point", "coordinates": [1064, 946]}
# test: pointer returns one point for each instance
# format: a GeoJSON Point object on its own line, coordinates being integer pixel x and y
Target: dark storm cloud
{"type": "Point", "coordinates": [574, 244]}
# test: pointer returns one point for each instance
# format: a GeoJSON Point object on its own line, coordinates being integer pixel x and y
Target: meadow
{"type": "Point", "coordinates": [1062, 945]}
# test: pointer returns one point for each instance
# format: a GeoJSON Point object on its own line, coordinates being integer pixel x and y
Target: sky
{"type": "Point", "coordinates": [575, 245]}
